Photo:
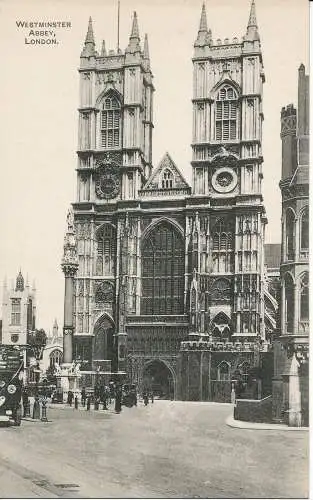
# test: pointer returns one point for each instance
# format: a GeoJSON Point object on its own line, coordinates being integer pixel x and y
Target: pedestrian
{"type": "Point", "coordinates": [25, 400]}
{"type": "Point", "coordinates": [70, 397]}
{"type": "Point", "coordinates": [83, 396]}
{"type": "Point", "coordinates": [118, 400]}
{"type": "Point", "coordinates": [76, 402]}
{"type": "Point", "coordinates": [145, 398]}
{"type": "Point", "coordinates": [36, 408]}
{"type": "Point", "coordinates": [152, 397]}
{"type": "Point", "coordinates": [88, 403]}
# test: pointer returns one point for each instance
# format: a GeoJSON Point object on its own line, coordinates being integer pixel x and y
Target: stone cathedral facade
{"type": "Point", "coordinates": [168, 273]}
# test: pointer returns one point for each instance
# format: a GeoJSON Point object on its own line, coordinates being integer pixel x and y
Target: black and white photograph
{"type": "Point", "coordinates": [154, 257]}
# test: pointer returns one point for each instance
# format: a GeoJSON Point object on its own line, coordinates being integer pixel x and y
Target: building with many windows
{"type": "Point", "coordinates": [18, 311]}
{"type": "Point", "coordinates": [164, 280]}
{"type": "Point", "coordinates": [290, 384]}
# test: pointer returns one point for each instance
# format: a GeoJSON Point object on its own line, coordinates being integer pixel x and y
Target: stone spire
{"type": "Point", "coordinates": [252, 28]}
{"type": "Point", "coordinates": [203, 34]}
{"type": "Point", "coordinates": [55, 329]}
{"type": "Point", "coordinates": [134, 39]}
{"type": "Point", "coordinates": [19, 287]}
{"type": "Point", "coordinates": [146, 54]}
{"type": "Point", "coordinates": [89, 47]}
{"type": "Point", "coordinates": [103, 49]}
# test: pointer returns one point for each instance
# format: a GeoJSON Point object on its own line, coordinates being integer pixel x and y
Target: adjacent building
{"type": "Point", "coordinates": [18, 311]}
{"type": "Point", "coordinates": [291, 382]}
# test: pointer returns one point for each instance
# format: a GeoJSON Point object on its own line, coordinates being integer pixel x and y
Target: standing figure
{"type": "Point", "coordinates": [25, 402]}
{"type": "Point", "coordinates": [83, 396]}
{"type": "Point", "coordinates": [118, 400]}
{"type": "Point", "coordinates": [76, 402]}
{"type": "Point", "coordinates": [88, 403]}
{"type": "Point", "coordinates": [70, 397]}
{"type": "Point", "coordinates": [152, 397]}
{"type": "Point", "coordinates": [145, 398]}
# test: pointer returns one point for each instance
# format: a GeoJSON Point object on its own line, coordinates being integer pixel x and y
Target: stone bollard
{"type": "Point", "coordinates": [27, 409]}
{"type": "Point", "coordinates": [36, 409]}
{"type": "Point", "coordinates": [44, 410]}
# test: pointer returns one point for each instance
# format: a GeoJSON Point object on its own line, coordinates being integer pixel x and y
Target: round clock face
{"type": "Point", "coordinates": [224, 180]}
{"type": "Point", "coordinates": [107, 182]}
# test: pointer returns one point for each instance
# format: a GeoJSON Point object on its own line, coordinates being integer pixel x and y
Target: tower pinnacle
{"type": "Point", "coordinates": [204, 36]}
{"type": "Point", "coordinates": [146, 55]}
{"type": "Point", "coordinates": [134, 40]}
{"type": "Point", "coordinates": [89, 47]}
{"type": "Point", "coordinates": [135, 29]}
{"type": "Point", "coordinates": [103, 49]}
{"type": "Point", "coordinates": [203, 20]}
{"type": "Point", "coordinates": [252, 27]}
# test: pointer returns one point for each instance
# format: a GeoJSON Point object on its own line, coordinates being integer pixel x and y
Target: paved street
{"type": "Point", "coordinates": [169, 449]}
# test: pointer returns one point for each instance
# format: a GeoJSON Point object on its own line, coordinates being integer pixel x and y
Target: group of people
{"type": "Point", "coordinates": [103, 394]}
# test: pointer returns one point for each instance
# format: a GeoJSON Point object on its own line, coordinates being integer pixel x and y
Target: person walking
{"type": "Point", "coordinates": [83, 396]}
{"type": "Point", "coordinates": [70, 397]}
{"type": "Point", "coordinates": [25, 400]}
{"type": "Point", "coordinates": [145, 398]}
{"type": "Point", "coordinates": [118, 400]}
{"type": "Point", "coordinates": [152, 397]}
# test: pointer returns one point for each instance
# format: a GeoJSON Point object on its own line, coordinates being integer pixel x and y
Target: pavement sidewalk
{"type": "Point", "coordinates": [240, 424]}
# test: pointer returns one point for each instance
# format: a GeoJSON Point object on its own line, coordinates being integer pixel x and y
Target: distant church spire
{"type": "Point", "coordinates": [252, 28]}
{"type": "Point", "coordinates": [19, 282]}
{"type": "Point", "coordinates": [204, 36]}
{"type": "Point", "coordinates": [89, 47]}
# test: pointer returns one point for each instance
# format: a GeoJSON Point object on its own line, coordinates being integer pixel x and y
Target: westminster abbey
{"type": "Point", "coordinates": [170, 287]}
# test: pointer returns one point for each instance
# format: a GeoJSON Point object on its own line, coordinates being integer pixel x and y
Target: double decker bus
{"type": "Point", "coordinates": [11, 384]}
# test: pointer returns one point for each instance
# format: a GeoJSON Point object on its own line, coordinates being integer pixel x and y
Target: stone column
{"type": "Point", "coordinates": [69, 267]}
{"type": "Point", "coordinates": [68, 329]}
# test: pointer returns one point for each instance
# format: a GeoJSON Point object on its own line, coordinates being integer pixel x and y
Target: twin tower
{"type": "Point", "coordinates": [158, 261]}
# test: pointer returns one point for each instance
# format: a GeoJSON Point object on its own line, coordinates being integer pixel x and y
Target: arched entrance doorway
{"type": "Point", "coordinates": [103, 345]}
{"type": "Point", "coordinates": [158, 377]}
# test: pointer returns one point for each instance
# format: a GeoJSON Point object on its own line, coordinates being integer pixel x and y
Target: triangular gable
{"type": "Point", "coordinates": [173, 178]}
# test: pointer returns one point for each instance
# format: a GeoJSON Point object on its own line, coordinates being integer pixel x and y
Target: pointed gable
{"type": "Point", "coordinates": [167, 177]}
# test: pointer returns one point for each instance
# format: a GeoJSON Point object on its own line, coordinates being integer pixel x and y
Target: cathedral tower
{"type": "Point", "coordinates": [227, 178]}
{"type": "Point", "coordinates": [114, 161]}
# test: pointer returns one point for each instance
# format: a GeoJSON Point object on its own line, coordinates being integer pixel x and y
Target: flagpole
{"type": "Point", "coordinates": [118, 25]}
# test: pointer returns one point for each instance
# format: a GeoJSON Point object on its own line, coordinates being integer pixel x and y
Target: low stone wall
{"type": "Point", "coordinates": [253, 410]}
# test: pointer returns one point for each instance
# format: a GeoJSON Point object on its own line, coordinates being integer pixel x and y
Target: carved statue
{"type": "Point", "coordinates": [70, 221]}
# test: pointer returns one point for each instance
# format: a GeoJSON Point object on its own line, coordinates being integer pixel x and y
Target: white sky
{"type": "Point", "coordinates": [39, 97]}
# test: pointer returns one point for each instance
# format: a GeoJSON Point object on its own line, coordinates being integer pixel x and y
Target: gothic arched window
{"type": "Point", "coordinates": [223, 371]}
{"type": "Point", "coordinates": [222, 242]}
{"type": "Point", "coordinates": [304, 298]}
{"type": "Point", "coordinates": [304, 228]}
{"type": "Point", "coordinates": [106, 251]}
{"type": "Point", "coordinates": [56, 357]}
{"type": "Point", "coordinates": [167, 179]}
{"type": "Point", "coordinates": [290, 235]}
{"type": "Point", "coordinates": [110, 122]}
{"type": "Point", "coordinates": [163, 267]}
{"type": "Point", "coordinates": [226, 114]}
{"type": "Point", "coordinates": [289, 303]}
